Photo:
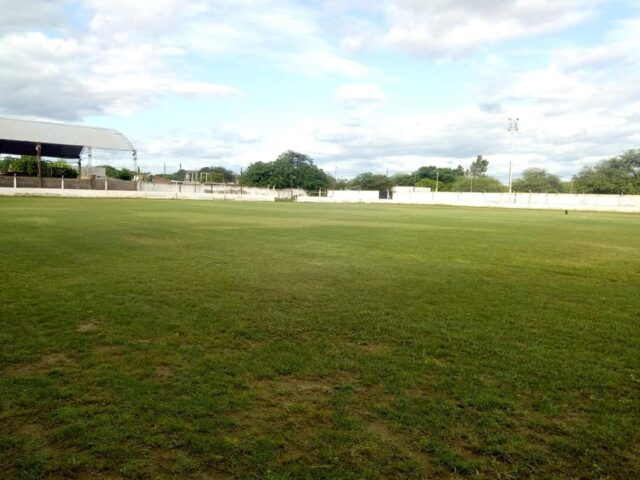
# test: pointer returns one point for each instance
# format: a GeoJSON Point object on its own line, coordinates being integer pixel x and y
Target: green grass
{"type": "Point", "coordinates": [165, 339]}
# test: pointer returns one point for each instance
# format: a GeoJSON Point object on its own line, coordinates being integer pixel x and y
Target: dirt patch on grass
{"type": "Point", "coordinates": [34, 430]}
{"type": "Point", "coordinates": [111, 351]}
{"type": "Point", "coordinates": [213, 475]}
{"type": "Point", "coordinates": [300, 386]}
{"type": "Point", "coordinates": [385, 432]}
{"type": "Point", "coordinates": [439, 362]}
{"type": "Point", "coordinates": [87, 328]}
{"type": "Point", "coordinates": [162, 371]}
{"type": "Point", "coordinates": [297, 403]}
{"type": "Point", "coordinates": [373, 347]}
{"type": "Point", "coordinates": [46, 363]}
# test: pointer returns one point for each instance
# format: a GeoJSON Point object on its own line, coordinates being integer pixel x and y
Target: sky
{"type": "Point", "coordinates": [357, 85]}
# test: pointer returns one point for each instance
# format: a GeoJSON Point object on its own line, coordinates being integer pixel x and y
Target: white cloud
{"type": "Point", "coordinates": [128, 54]}
{"type": "Point", "coordinates": [357, 95]}
{"type": "Point", "coordinates": [138, 17]}
{"type": "Point", "coordinates": [18, 16]}
{"type": "Point", "coordinates": [454, 27]}
{"type": "Point", "coordinates": [285, 33]}
{"type": "Point", "coordinates": [68, 77]}
{"type": "Point", "coordinates": [619, 49]}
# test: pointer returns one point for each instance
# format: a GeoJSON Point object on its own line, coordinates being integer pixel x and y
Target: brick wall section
{"type": "Point", "coordinates": [6, 181]}
{"type": "Point", "coordinates": [50, 182]}
{"type": "Point", "coordinates": [115, 184]}
{"type": "Point", "coordinates": [76, 184]}
{"type": "Point", "coordinates": [28, 182]}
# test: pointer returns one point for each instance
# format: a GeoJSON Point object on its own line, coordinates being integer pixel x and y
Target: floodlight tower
{"type": "Point", "coordinates": [513, 128]}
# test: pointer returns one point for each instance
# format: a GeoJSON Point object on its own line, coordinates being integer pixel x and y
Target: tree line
{"type": "Point", "coordinates": [27, 166]}
{"type": "Point", "coordinates": [617, 175]}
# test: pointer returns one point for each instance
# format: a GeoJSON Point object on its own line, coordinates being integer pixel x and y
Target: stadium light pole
{"type": "Point", "coordinates": [513, 127]}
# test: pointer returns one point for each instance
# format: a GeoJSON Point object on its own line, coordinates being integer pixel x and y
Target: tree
{"type": "Point", "coordinates": [289, 170]}
{"type": "Point", "coordinates": [219, 174]}
{"type": "Point", "coordinates": [259, 174]}
{"type": "Point", "coordinates": [403, 179]}
{"type": "Point", "coordinates": [429, 183]}
{"type": "Point", "coordinates": [341, 183]}
{"type": "Point", "coordinates": [121, 174]}
{"type": "Point", "coordinates": [618, 175]}
{"type": "Point", "coordinates": [480, 184]}
{"type": "Point", "coordinates": [538, 180]}
{"type": "Point", "coordinates": [27, 165]}
{"type": "Point", "coordinates": [370, 181]}
{"type": "Point", "coordinates": [444, 175]}
{"type": "Point", "coordinates": [478, 167]}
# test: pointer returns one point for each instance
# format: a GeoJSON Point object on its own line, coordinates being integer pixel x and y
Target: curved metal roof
{"type": "Point", "coordinates": [19, 137]}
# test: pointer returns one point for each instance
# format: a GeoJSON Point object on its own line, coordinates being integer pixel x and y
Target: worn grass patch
{"type": "Point", "coordinates": [147, 339]}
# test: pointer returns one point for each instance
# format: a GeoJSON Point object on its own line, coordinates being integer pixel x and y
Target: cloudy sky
{"type": "Point", "coordinates": [358, 87]}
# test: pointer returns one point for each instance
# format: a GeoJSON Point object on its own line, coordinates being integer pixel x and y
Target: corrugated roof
{"type": "Point", "coordinates": [13, 130]}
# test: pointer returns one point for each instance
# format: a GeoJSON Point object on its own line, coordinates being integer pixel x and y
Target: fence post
{"type": "Point", "coordinates": [15, 180]}
{"type": "Point", "coordinates": [62, 183]}
{"type": "Point", "coordinates": [106, 180]}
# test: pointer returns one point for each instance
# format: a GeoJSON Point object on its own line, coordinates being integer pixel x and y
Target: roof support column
{"type": "Point", "coordinates": [38, 150]}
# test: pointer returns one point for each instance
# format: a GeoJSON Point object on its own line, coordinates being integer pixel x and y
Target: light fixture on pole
{"type": "Point", "coordinates": [513, 128]}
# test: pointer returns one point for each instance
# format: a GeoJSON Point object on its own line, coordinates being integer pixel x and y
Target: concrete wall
{"type": "Point", "coordinates": [171, 187]}
{"type": "Point", "coordinates": [69, 183]}
{"type": "Point", "coordinates": [557, 201]}
{"type": "Point", "coordinates": [353, 195]}
{"type": "Point", "coordinates": [411, 194]}
{"type": "Point", "coordinates": [56, 192]}
{"type": "Point", "coordinates": [187, 187]}
{"type": "Point", "coordinates": [605, 203]}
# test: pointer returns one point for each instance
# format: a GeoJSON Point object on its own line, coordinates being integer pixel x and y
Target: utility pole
{"type": "Point", "coordinates": [513, 128]}
{"type": "Point", "coordinates": [38, 152]}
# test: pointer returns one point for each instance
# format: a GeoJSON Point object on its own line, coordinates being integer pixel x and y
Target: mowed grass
{"type": "Point", "coordinates": [165, 339]}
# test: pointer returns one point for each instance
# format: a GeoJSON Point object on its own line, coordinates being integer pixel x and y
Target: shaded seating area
{"type": "Point", "coordinates": [59, 141]}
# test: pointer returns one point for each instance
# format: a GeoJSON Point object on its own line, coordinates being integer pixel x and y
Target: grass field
{"type": "Point", "coordinates": [165, 339]}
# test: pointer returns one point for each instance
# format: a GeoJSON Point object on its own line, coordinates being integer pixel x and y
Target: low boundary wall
{"type": "Point", "coordinates": [559, 201]}
{"type": "Point", "coordinates": [7, 181]}
{"type": "Point", "coordinates": [544, 201]}
{"type": "Point", "coordinates": [56, 192]}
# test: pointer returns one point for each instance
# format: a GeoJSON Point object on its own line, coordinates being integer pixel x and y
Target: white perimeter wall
{"type": "Point", "coordinates": [352, 195]}
{"type": "Point", "coordinates": [559, 201]}
{"type": "Point", "coordinates": [556, 201]}
{"type": "Point", "coordinates": [221, 189]}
